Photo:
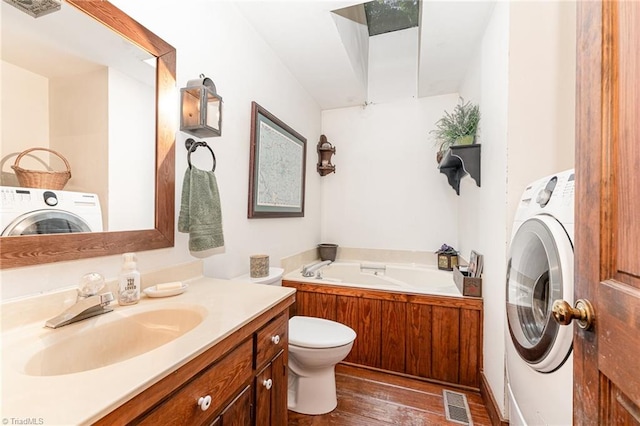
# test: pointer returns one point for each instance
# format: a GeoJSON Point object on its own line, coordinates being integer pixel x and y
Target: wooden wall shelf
{"type": "Point", "coordinates": [459, 161]}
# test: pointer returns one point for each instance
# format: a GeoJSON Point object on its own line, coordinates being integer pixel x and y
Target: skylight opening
{"type": "Point", "coordinates": [385, 16]}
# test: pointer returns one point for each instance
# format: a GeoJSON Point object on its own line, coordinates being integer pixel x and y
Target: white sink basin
{"type": "Point", "coordinates": [113, 341]}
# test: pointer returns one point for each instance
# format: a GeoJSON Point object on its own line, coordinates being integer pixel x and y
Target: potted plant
{"type": "Point", "coordinates": [456, 128]}
{"type": "Point", "coordinates": [447, 257]}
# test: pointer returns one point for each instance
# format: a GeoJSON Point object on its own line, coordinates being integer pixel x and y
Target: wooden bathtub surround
{"type": "Point", "coordinates": [438, 338]}
{"type": "Point", "coordinates": [232, 372]}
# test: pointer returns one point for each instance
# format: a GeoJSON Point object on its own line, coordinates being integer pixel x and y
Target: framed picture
{"type": "Point", "coordinates": [476, 263]}
{"type": "Point", "coordinates": [277, 162]}
{"type": "Point", "coordinates": [473, 264]}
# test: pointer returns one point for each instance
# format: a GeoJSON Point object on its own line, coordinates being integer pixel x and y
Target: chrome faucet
{"type": "Point", "coordinates": [85, 308]}
{"type": "Point", "coordinates": [308, 270]}
{"type": "Point", "coordinates": [88, 303]}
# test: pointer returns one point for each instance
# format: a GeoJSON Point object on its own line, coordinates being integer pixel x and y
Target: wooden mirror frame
{"type": "Point", "coordinates": [38, 249]}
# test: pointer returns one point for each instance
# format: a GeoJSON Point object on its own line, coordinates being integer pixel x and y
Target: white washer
{"type": "Point", "coordinates": [31, 211]}
{"type": "Point", "coordinates": [539, 271]}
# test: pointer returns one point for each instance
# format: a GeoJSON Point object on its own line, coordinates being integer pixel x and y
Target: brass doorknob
{"type": "Point", "coordinates": [583, 312]}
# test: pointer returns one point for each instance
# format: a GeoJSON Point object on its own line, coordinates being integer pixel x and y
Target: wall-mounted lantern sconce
{"type": "Point", "coordinates": [200, 108]}
{"type": "Point", "coordinates": [325, 151]}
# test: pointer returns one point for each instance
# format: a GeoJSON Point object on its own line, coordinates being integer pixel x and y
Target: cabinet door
{"type": "Point", "coordinates": [218, 383]}
{"type": "Point", "coordinates": [238, 412]}
{"type": "Point", "coordinates": [271, 393]}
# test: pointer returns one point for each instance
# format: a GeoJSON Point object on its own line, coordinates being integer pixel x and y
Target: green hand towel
{"type": "Point", "coordinates": [200, 212]}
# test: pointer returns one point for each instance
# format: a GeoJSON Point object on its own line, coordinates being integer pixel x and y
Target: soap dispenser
{"type": "Point", "coordinates": [129, 281]}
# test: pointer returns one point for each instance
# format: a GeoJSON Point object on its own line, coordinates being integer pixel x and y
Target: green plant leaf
{"type": "Point", "coordinates": [462, 121]}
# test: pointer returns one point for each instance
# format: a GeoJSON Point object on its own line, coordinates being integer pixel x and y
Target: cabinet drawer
{"type": "Point", "coordinates": [220, 381]}
{"type": "Point", "coordinates": [271, 339]}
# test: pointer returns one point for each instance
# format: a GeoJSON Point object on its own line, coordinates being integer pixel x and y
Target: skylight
{"type": "Point", "coordinates": [384, 16]}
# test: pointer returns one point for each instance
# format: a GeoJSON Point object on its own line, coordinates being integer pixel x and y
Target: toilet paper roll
{"type": "Point", "coordinates": [259, 265]}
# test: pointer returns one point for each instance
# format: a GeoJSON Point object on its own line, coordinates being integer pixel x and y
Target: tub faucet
{"type": "Point", "coordinates": [88, 303]}
{"type": "Point", "coordinates": [308, 270]}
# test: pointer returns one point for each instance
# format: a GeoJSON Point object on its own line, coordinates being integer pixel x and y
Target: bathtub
{"type": "Point", "coordinates": [402, 278]}
{"type": "Point", "coordinates": [409, 319]}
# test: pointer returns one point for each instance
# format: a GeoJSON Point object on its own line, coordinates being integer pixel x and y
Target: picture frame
{"type": "Point", "coordinates": [277, 167]}
{"type": "Point", "coordinates": [476, 261]}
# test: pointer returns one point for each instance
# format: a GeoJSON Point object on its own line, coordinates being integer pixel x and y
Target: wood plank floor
{"type": "Point", "coordinates": [372, 398]}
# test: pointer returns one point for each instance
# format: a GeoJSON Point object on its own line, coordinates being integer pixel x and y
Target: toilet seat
{"type": "Point", "coordinates": [318, 333]}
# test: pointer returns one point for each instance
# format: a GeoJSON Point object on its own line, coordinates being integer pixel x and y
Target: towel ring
{"type": "Point", "coordinates": [192, 145]}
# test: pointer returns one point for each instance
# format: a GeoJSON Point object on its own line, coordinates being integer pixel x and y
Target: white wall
{"type": "Point", "coordinates": [482, 214]}
{"type": "Point", "coordinates": [131, 140]}
{"type": "Point", "coordinates": [524, 80]}
{"type": "Point", "coordinates": [25, 102]}
{"type": "Point", "coordinates": [79, 128]}
{"type": "Point", "coordinates": [387, 192]}
{"type": "Point", "coordinates": [221, 45]}
{"type": "Point", "coordinates": [542, 72]}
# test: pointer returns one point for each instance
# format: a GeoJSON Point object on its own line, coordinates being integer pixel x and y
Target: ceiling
{"type": "Point", "coordinates": [329, 54]}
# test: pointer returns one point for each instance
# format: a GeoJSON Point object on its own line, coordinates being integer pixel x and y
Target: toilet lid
{"type": "Point", "coordinates": [310, 332]}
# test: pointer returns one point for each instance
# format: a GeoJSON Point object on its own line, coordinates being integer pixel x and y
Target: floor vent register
{"type": "Point", "coordinates": [456, 407]}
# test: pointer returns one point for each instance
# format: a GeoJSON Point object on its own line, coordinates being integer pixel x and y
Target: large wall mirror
{"type": "Point", "coordinates": [127, 157]}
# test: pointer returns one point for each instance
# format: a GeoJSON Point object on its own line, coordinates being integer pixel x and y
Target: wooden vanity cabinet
{"type": "Point", "coordinates": [240, 381]}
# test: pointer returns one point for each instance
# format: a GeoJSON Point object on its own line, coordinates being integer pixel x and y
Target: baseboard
{"type": "Point", "coordinates": [490, 402]}
{"type": "Point", "coordinates": [409, 376]}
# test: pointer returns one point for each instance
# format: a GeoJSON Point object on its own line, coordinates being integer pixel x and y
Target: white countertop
{"type": "Point", "coordinates": [85, 397]}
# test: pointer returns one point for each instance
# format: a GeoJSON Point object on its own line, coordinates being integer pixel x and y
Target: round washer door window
{"type": "Point", "coordinates": [540, 271]}
{"type": "Point", "coordinates": [46, 222]}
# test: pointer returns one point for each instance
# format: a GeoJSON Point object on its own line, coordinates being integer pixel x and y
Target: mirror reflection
{"type": "Point", "coordinates": [71, 85]}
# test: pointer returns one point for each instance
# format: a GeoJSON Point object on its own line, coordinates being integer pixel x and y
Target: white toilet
{"type": "Point", "coordinates": [316, 345]}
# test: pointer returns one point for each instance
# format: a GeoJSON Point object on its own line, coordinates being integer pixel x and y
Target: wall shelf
{"type": "Point", "coordinates": [460, 160]}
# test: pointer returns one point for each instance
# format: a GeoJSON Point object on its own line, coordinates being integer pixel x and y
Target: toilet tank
{"type": "Point", "coordinates": [274, 277]}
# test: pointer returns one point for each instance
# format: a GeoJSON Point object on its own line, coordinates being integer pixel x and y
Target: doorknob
{"type": "Point", "coordinates": [563, 313]}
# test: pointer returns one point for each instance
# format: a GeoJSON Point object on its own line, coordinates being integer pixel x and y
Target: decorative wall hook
{"type": "Point", "coordinates": [325, 151]}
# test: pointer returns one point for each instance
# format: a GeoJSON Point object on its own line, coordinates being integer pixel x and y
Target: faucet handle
{"type": "Point", "coordinates": [90, 284]}
{"type": "Point", "coordinates": [106, 298]}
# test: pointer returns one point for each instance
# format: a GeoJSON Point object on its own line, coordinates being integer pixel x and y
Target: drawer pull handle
{"type": "Point", "coordinates": [267, 383]}
{"type": "Point", "coordinates": [275, 339]}
{"type": "Point", "coordinates": [204, 402]}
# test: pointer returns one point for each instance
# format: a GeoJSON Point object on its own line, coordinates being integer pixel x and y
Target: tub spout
{"type": "Point", "coordinates": [309, 270]}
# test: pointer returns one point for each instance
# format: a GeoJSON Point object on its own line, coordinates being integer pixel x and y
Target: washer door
{"type": "Point", "coordinates": [540, 271]}
{"type": "Point", "coordinates": [46, 222]}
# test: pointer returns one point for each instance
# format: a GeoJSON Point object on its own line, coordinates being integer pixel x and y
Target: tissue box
{"type": "Point", "coordinates": [467, 285]}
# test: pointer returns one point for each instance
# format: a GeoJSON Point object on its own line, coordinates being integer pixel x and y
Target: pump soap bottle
{"type": "Point", "coordinates": [129, 281]}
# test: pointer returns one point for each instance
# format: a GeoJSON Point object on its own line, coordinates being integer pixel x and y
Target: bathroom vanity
{"type": "Point", "coordinates": [243, 377]}
{"type": "Point", "coordinates": [230, 367]}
